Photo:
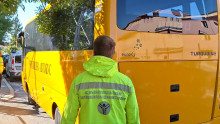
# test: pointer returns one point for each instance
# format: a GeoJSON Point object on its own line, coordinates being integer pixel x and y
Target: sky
{"type": "Point", "coordinates": [28, 14]}
{"type": "Point", "coordinates": [25, 16]}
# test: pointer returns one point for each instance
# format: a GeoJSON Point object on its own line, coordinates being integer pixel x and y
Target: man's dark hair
{"type": "Point", "coordinates": [104, 46]}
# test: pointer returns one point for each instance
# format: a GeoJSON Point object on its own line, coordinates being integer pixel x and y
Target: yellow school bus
{"type": "Point", "coordinates": [169, 49]}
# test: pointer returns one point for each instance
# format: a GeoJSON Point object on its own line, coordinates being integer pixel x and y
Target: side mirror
{"type": "Point", "coordinates": [19, 42]}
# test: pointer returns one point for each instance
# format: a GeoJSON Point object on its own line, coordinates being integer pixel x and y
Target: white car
{"type": "Point", "coordinates": [13, 67]}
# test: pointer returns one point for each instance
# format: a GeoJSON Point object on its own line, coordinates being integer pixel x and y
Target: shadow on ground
{"type": "Point", "coordinates": [16, 111]}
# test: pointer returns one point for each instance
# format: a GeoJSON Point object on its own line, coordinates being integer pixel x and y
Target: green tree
{"type": "Point", "coordinates": [10, 6]}
{"type": "Point", "coordinates": [5, 26]}
{"type": "Point", "coordinates": [11, 47]}
{"type": "Point", "coordinates": [16, 27]}
{"type": "Point", "coordinates": [64, 22]}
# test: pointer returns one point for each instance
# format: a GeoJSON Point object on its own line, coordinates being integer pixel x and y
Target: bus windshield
{"type": "Point", "coordinates": [173, 16]}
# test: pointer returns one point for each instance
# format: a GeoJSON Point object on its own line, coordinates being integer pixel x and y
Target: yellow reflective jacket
{"type": "Point", "coordinates": [104, 95]}
{"type": "Point", "coordinates": [1, 65]}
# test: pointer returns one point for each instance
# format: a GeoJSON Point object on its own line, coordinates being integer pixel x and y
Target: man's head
{"type": "Point", "coordinates": [104, 46]}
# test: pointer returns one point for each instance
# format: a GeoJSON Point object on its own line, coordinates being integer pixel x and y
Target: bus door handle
{"type": "Point", "coordinates": [43, 88]}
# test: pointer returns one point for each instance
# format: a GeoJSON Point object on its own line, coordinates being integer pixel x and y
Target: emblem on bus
{"type": "Point", "coordinates": [137, 46]}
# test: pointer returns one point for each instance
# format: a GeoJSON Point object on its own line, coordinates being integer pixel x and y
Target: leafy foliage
{"type": "Point", "coordinates": [16, 27]}
{"type": "Point", "coordinates": [11, 47]}
{"type": "Point", "coordinates": [10, 7]}
{"type": "Point", "coordinates": [14, 31]}
{"type": "Point", "coordinates": [5, 26]}
{"type": "Point", "coordinates": [65, 20]}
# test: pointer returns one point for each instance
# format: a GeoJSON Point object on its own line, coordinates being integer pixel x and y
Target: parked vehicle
{"type": "Point", "coordinates": [5, 61]}
{"type": "Point", "coordinates": [13, 67]}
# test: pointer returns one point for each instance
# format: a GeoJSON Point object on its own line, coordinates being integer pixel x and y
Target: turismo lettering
{"type": "Point", "coordinates": [203, 53]}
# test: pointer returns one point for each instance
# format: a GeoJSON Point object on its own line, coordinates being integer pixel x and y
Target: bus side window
{"type": "Point", "coordinates": [84, 31]}
{"type": "Point", "coordinates": [65, 27]}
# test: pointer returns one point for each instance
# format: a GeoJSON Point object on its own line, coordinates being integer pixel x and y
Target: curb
{"type": "Point", "coordinates": [11, 90]}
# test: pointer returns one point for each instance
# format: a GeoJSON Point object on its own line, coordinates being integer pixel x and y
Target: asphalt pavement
{"type": "Point", "coordinates": [4, 90]}
{"type": "Point", "coordinates": [14, 108]}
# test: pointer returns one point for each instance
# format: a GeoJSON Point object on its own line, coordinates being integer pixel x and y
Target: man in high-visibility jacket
{"type": "Point", "coordinates": [1, 68]}
{"type": "Point", "coordinates": [104, 95]}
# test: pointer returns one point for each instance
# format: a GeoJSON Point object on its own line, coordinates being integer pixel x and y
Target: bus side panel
{"type": "Point", "coordinates": [29, 73]}
{"type": "Point", "coordinates": [182, 90]}
{"type": "Point", "coordinates": [48, 97]}
{"type": "Point", "coordinates": [49, 82]}
{"type": "Point", "coordinates": [217, 102]}
{"type": "Point", "coordinates": [23, 74]}
{"type": "Point", "coordinates": [23, 81]}
{"type": "Point", "coordinates": [54, 73]}
{"type": "Point", "coordinates": [142, 46]}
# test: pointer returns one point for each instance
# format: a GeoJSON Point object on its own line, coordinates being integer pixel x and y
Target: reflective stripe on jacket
{"type": "Point", "coordinates": [104, 95]}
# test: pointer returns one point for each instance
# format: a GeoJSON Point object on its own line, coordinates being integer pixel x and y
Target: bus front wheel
{"type": "Point", "coordinates": [57, 117]}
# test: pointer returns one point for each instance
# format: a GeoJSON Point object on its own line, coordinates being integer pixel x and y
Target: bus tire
{"type": "Point", "coordinates": [30, 100]}
{"type": "Point", "coordinates": [57, 116]}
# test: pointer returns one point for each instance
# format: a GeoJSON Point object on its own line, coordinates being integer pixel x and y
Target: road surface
{"type": "Point", "coordinates": [16, 110]}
